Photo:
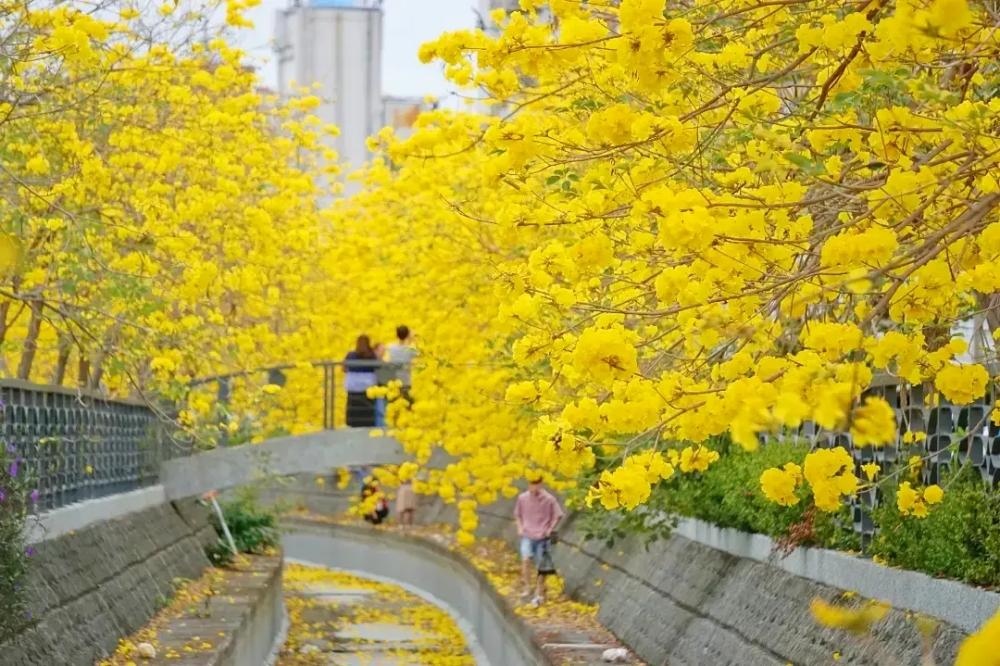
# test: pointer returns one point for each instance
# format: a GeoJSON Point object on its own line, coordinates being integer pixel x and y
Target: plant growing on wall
{"type": "Point", "coordinates": [17, 499]}
{"type": "Point", "coordinates": [254, 528]}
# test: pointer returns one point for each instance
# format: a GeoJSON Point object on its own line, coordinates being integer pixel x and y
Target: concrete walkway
{"type": "Point", "coordinates": [340, 618]}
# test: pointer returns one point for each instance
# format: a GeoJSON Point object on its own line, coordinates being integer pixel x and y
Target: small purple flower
{"type": "Point", "coordinates": [34, 496]}
{"type": "Point", "coordinates": [29, 551]}
{"type": "Point", "coordinates": [12, 470]}
{"type": "Point", "coordinates": [3, 494]}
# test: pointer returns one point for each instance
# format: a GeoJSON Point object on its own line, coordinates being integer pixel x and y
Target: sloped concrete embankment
{"type": "Point", "coordinates": [92, 582]}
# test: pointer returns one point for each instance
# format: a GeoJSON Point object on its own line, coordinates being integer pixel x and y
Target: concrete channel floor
{"type": "Point", "coordinates": [382, 643]}
{"type": "Point", "coordinates": [339, 621]}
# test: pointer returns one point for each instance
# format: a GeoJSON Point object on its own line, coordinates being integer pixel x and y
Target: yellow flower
{"type": "Point", "coordinates": [605, 354]}
{"type": "Point", "coordinates": [779, 485]}
{"type": "Point", "coordinates": [933, 494]}
{"type": "Point", "coordinates": [906, 498]}
{"type": "Point", "coordinates": [910, 502]}
{"type": "Point", "coordinates": [874, 423]}
{"type": "Point", "coordinates": [697, 458]}
{"type": "Point", "coordinates": [961, 384]}
{"type": "Point", "coordinates": [980, 648]}
{"type": "Point", "coordinates": [830, 473]}
{"type": "Point", "coordinates": [856, 620]}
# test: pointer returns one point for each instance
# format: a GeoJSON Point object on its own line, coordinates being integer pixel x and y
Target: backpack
{"type": "Point", "coordinates": [546, 567]}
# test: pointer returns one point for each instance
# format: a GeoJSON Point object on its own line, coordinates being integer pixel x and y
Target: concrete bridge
{"type": "Point", "coordinates": [222, 469]}
{"type": "Point", "coordinates": [317, 453]}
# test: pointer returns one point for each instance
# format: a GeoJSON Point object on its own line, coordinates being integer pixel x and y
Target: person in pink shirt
{"type": "Point", "coordinates": [537, 513]}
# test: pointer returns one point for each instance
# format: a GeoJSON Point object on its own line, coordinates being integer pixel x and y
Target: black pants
{"type": "Point", "coordinates": [360, 410]}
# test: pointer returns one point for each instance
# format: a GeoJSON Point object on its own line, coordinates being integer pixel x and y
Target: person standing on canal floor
{"type": "Point", "coordinates": [537, 513]}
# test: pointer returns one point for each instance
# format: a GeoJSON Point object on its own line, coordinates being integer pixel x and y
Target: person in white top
{"type": "Point", "coordinates": [402, 353]}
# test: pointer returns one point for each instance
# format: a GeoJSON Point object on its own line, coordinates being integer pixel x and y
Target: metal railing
{"type": "Point", "coordinates": [955, 436]}
{"type": "Point", "coordinates": [75, 445]}
{"type": "Point", "coordinates": [276, 374]}
{"type": "Point", "coordinates": [78, 445]}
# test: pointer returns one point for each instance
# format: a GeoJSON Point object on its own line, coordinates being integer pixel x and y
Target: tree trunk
{"type": "Point", "coordinates": [65, 347]}
{"type": "Point", "coordinates": [4, 310]}
{"type": "Point", "coordinates": [97, 364]}
{"type": "Point", "coordinates": [98, 373]}
{"type": "Point", "coordinates": [30, 341]}
{"type": "Point", "coordinates": [83, 370]}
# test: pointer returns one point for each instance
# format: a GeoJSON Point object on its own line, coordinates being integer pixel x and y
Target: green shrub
{"type": "Point", "coordinates": [960, 538]}
{"type": "Point", "coordinates": [728, 494]}
{"type": "Point", "coordinates": [254, 529]}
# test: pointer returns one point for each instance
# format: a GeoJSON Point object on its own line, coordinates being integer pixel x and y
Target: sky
{"type": "Point", "coordinates": [407, 24]}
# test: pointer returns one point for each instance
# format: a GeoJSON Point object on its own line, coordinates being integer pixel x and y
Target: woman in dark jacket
{"type": "Point", "coordinates": [359, 376]}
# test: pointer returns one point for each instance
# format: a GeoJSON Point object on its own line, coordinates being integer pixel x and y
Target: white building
{"type": "Point", "coordinates": [336, 44]}
{"type": "Point", "coordinates": [486, 6]}
{"type": "Point", "coordinates": [399, 113]}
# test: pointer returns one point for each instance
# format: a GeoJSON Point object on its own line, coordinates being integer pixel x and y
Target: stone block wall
{"type": "Point", "coordinates": [88, 588]}
{"type": "Point", "coordinates": [683, 603]}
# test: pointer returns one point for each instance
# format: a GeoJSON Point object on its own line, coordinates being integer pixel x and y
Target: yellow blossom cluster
{"type": "Point", "coordinates": [780, 484]}
{"type": "Point", "coordinates": [857, 620]}
{"type": "Point", "coordinates": [830, 473]}
{"type": "Point", "coordinates": [630, 484]}
{"type": "Point", "coordinates": [912, 502]}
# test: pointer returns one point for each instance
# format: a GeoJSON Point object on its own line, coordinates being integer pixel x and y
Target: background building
{"type": "Point", "coordinates": [336, 44]}
{"type": "Point", "coordinates": [399, 113]}
{"type": "Point", "coordinates": [487, 6]}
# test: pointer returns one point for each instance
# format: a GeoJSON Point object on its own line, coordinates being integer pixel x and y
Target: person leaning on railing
{"type": "Point", "coordinates": [359, 376]}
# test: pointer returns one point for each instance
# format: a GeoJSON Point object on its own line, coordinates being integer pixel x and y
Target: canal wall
{"type": "Point", "coordinates": [723, 597]}
{"type": "Point", "coordinates": [94, 581]}
{"type": "Point", "coordinates": [90, 586]}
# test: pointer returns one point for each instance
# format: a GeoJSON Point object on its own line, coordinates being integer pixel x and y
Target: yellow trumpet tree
{"type": "Point", "coordinates": [680, 221]}
{"type": "Point", "coordinates": [159, 212]}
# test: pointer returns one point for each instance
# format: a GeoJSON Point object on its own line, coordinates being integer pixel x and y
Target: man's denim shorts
{"type": "Point", "coordinates": [532, 549]}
